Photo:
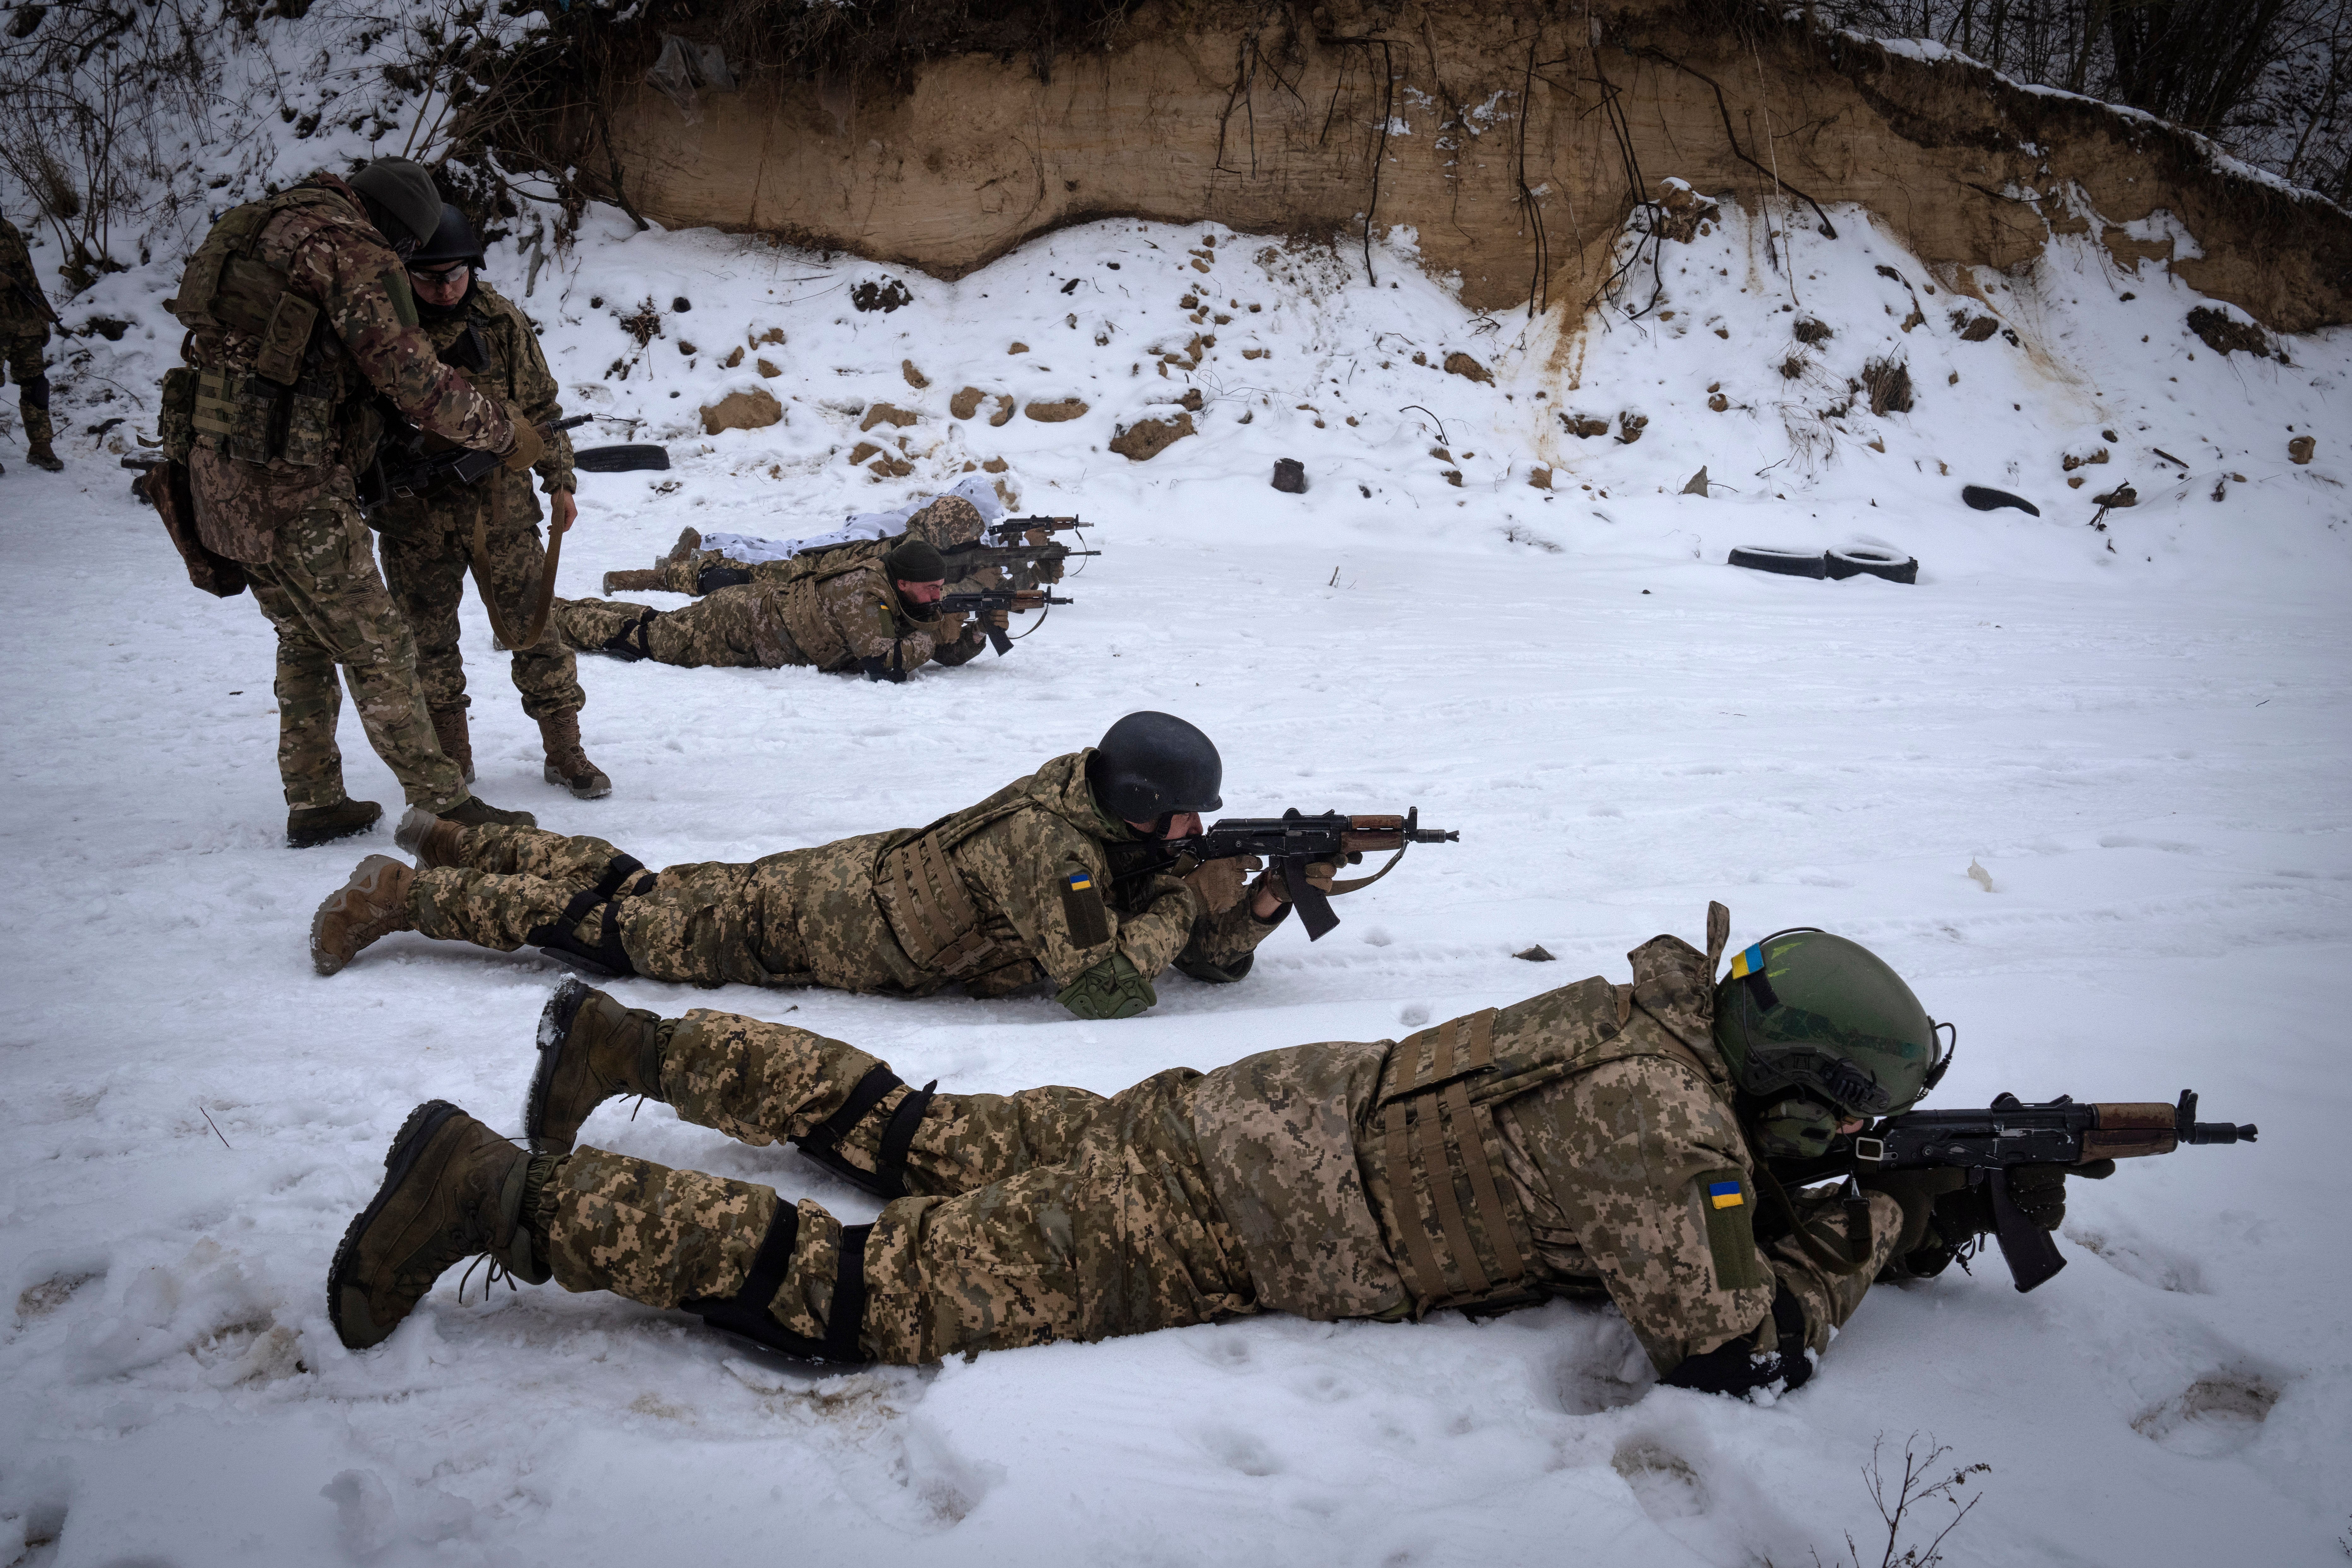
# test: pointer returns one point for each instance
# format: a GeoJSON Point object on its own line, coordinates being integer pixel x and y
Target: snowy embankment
{"type": "Point", "coordinates": [2139, 732]}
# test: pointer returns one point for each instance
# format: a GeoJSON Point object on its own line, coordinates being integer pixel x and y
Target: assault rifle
{"type": "Point", "coordinates": [1013, 528]}
{"type": "Point", "coordinates": [991, 601]}
{"type": "Point", "coordinates": [32, 295]}
{"type": "Point", "coordinates": [1987, 1142]}
{"type": "Point", "coordinates": [1025, 566]}
{"type": "Point", "coordinates": [1293, 840]}
{"type": "Point", "coordinates": [405, 470]}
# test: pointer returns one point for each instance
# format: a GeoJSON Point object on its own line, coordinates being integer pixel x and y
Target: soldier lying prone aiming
{"type": "Point", "coordinates": [1636, 1141]}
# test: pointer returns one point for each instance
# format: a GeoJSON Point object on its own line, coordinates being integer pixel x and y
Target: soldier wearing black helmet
{"type": "Point", "coordinates": [429, 541]}
{"type": "Point", "coordinates": [1019, 890]}
{"type": "Point", "coordinates": [1645, 1143]}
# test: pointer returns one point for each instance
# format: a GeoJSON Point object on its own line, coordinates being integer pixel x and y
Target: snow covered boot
{"type": "Point", "coordinates": [434, 841]}
{"type": "Point", "coordinates": [567, 765]}
{"type": "Point", "coordinates": [634, 582]}
{"type": "Point", "coordinates": [457, 741]}
{"type": "Point", "coordinates": [373, 903]}
{"type": "Point", "coordinates": [591, 1048]}
{"type": "Point", "coordinates": [309, 825]}
{"type": "Point", "coordinates": [452, 1189]}
{"type": "Point", "coordinates": [38, 432]}
{"type": "Point", "coordinates": [475, 812]}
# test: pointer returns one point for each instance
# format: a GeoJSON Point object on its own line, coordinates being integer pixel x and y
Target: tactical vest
{"type": "Point", "coordinates": [272, 398]}
{"type": "Point", "coordinates": [805, 618]}
{"type": "Point", "coordinates": [1429, 1144]}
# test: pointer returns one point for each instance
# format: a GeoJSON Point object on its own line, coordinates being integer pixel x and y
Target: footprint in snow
{"type": "Point", "coordinates": [2144, 1260]}
{"type": "Point", "coordinates": [2217, 1414]}
{"type": "Point", "coordinates": [1240, 1451]}
{"type": "Point", "coordinates": [1663, 1481]}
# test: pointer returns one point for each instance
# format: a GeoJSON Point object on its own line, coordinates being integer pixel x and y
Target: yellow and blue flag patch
{"type": "Point", "coordinates": [1724, 1196]}
{"type": "Point", "coordinates": [1748, 962]}
{"type": "Point", "coordinates": [1081, 882]}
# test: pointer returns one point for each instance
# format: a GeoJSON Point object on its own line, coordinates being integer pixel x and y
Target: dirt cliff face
{"type": "Point", "coordinates": [1511, 140]}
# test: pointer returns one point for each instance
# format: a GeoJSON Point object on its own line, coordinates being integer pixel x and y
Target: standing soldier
{"type": "Point", "coordinates": [299, 317]}
{"type": "Point", "coordinates": [428, 541]}
{"type": "Point", "coordinates": [25, 317]}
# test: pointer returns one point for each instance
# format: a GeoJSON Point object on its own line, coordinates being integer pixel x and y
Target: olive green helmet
{"type": "Point", "coordinates": [1812, 1015]}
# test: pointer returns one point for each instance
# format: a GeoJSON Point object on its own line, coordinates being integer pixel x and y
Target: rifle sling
{"type": "Point", "coordinates": [544, 601]}
{"type": "Point", "coordinates": [1353, 883]}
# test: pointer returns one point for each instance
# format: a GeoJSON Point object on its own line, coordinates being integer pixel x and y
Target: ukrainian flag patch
{"type": "Point", "coordinates": [1749, 961]}
{"type": "Point", "coordinates": [1081, 882]}
{"type": "Point", "coordinates": [1724, 1196]}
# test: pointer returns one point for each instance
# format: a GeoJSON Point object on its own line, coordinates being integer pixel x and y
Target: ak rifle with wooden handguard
{"type": "Point", "coordinates": [1292, 842]}
{"type": "Point", "coordinates": [1987, 1142]}
{"type": "Point", "coordinates": [995, 601]}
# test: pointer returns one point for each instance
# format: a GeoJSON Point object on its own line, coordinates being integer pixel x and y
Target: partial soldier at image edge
{"type": "Point", "coordinates": [26, 316]}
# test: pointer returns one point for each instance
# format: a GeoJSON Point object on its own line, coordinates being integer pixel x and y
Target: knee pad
{"type": "Point", "coordinates": [888, 1178]}
{"type": "Point", "coordinates": [746, 1311]}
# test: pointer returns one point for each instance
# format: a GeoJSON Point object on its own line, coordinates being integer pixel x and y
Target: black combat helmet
{"type": "Point", "coordinates": [1150, 764]}
{"type": "Point", "coordinates": [1821, 1028]}
{"type": "Point", "coordinates": [453, 241]}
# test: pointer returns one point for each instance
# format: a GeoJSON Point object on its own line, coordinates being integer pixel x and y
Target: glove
{"type": "Point", "coordinates": [1219, 882]}
{"type": "Point", "coordinates": [2040, 1191]}
{"type": "Point", "coordinates": [1001, 619]}
{"type": "Point", "coordinates": [1942, 1212]}
{"type": "Point", "coordinates": [528, 446]}
{"type": "Point", "coordinates": [1737, 1368]}
{"type": "Point", "coordinates": [1319, 875]}
{"type": "Point", "coordinates": [1114, 988]}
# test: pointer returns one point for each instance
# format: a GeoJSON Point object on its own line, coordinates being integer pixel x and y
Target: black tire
{"type": "Point", "coordinates": [624, 459]}
{"type": "Point", "coordinates": [1845, 564]}
{"type": "Point", "coordinates": [1984, 500]}
{"type": "Point", "coordinates": [1783, 563]}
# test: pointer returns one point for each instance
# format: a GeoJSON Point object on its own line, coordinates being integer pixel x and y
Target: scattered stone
{"type": "Point", "coordinates": [1193, 401]}
{"type": "Point", "coordinates": [863, 450]}
{"type": "Point", "coordinates": [682, 304]}
{"type": "Point", "coordinates": [1018, 349]}
{"type": "Point", "coordinates": [2302, 449]}
{"type": "Point", "coordinates": [1583, 427]}
{"type": "Point", "coordinates": [687, 349]}
{"type": "Point", "coordinates": [1681, 210]}
{"type": "Point", "coordinates": [966, 403]}
{"type": "Point", "coordinates": [1973, 328]}
{"type": "Point", "coordinates": [2074, 483]}
{"type": "Point", "coordinates": [1290, 476]}
{"type": "Point", "coordinates": [1453, 477]}
{"type": "Point", "coordinates": [1460, 363]}
{"type": "Point", "coordinates": [1003, 409]}
{"type": "Point", "coordinates": [1441, 454]}
{"type": "Point", "coordinates": [891, 467]}
{"type": "Point", "coordinates": [914, 378]}
{"type": "Point", "coordinates": [888, 414]}
{"type": "Point", "coordinates": [732, 360]}
{"type": "Point", "coordinates": [2225, 334]}
{"type": "Point", "coordinates": [1630, 427]}
{"type": "Point", "coordinates": [2074, 460]}
{"type": "Point", "coordinates": [1146, 438]}
{"type": "Point", "coordinates": [1254, 354]}
{"type": "Point", "coordinates": [994, 466]}
{"type": "Point", "coordinates": [1537, 954]}
{"type": "Point", "coordinates": [1696, 484]}
{"type": "Point", "coordinates": [886, 295]}
{"type": "Point", "coordinates": [2121, 496]}
{"type": "Point", "coordinates": [753, 410]}
{"type": "Point", "coordinates": [770, 369]}
{"type": "Point", "coordinates": [1718, 403]}
{"type": "Point", "coordinates": [1056, 412]}
{"type": "Point", "coordinates": [773, 335]}
{"type": "Point", "coordinates": [1539, 479]}
{"type": "Point", "coordinates": [1809, 330]}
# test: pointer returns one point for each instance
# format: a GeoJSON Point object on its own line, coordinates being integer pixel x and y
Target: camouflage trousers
{"type": "Point", "coordinates": [425, 566]}
{"type": "Point", "coordinates": [734, 628]}
{"type": "Point", "coordinates": [321, 591]}
{"type": "Point", "coordinates": [29, 368]}
{"type": "Point", "coordinates": [1053, 1214]}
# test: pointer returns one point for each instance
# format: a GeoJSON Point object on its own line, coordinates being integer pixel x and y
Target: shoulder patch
{"type": "Point", "coordinates": [1726, 1205]}
{"type": "Point", "coordinates": [1082, 908]}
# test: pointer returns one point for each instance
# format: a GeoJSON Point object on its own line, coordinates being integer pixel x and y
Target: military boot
{"type": "Point", "coordinates": [630, 580]}
{"type": "Point", "coordinates": [457, 742]}
{"type": "Point", "coordinates": [452, 1189]}
{"type": "Point", "coordinates": [567, 765]}
{"type": "Point", "coordinates": [434, 841]}
{"type": "Point", "coordinates": [308, 825]}
{"type": "Point", "coordinates": [591, 1048]}
{"type": "Point", "coordinates": [38, 434]}
{"type": "Point", "coordinates": [475, 812]}
{"type": "Point", "coordinates": [373, 903]}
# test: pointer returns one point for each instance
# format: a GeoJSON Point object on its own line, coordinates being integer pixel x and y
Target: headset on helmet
{"type": "Point", "coordinates": [1150, 764]}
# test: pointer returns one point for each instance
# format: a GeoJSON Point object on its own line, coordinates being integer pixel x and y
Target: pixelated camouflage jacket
{"type": "Point", "coordinates": [1606, 1137]}
{"type": "Point", "coordinates": [516, 373]}
{"type": "Point", "coordinates": [19, 316]}
{"type": "Point", "coordinates": [371, 344]}
{"type": "Point", "coordinates": [842, 617]}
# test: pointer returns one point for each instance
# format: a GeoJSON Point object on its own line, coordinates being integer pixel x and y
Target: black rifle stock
{"type": "Point", "coordinates": [412, 472]}
{"type": "Point", "coordinates": [1987, 1142]}
{"type": "Point", "coordinates": [988, 601]}
{"type": "Point", "coordinates": [1293, 841]}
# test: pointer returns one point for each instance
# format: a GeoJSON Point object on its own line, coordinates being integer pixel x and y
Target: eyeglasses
{"type": "Point", "coordinates": [441, 277]}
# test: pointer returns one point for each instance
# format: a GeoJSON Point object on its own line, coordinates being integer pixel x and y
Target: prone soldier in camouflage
{"type": "Point", "coordinates": [25, 317]}
{"type": "Point", "coordinates": [427, 541]}
{"type": "Point", "coordinates": [299, 317]}
{"type": "Point", "coordinates": [998, 896]}
{"type": "Point", "coordinates": [1596, 1140]}
{"type": "Point", "coordinates": [858, 607]}
{"type": "Point", "coordinates": [949, 523]}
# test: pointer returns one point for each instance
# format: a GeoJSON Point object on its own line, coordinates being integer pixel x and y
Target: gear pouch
{"type": "Point", "coordinates": [283, 341]}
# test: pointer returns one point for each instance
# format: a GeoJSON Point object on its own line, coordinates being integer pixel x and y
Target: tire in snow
{"type": "Point", "coordinates": [1785, 562]}
{"type": "Point", "coordinates": [1845, 564]}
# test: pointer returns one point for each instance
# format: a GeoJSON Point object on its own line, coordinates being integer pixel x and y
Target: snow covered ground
{"type": "Point", "coordinates": [2140, 732]}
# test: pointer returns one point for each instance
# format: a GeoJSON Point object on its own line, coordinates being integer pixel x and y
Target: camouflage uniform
{"type": "Point", "coordinates": [23, 335]}
{"type": "Point", "coordinates": [997, 896]}
{"type": "Point", "coordinates": [1573, 1143]}
{"type": "Point", "coordinates": [427, 542]}
{"type": "Point", "coordinates": [275, 492]}
{"type": "Point", "coordinates": [948, 522]}
{"type": "Point", "coordinates": [835, 616]}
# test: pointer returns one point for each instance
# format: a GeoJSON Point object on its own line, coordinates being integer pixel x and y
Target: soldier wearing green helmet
{"type": "Point", "coordinates": [1643, 1142]}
